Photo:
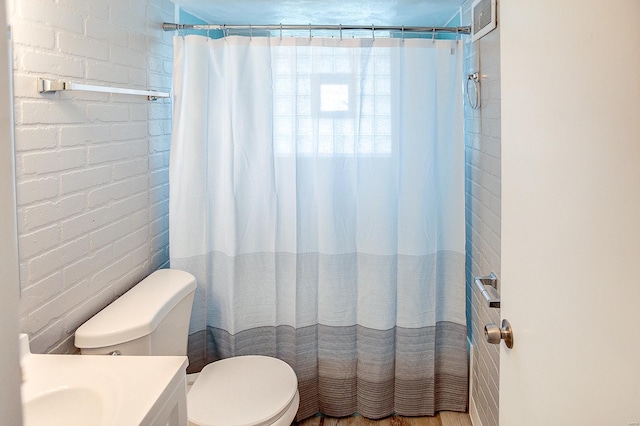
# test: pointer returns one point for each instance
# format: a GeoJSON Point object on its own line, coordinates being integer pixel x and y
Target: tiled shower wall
{"type": "Point", "coordinates": [482, 147]}
{"type": "Point", "coordinates": [92, 168]}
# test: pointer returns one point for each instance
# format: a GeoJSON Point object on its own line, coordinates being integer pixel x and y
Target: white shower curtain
{"type": "Point", "coordinates": [317, 196]}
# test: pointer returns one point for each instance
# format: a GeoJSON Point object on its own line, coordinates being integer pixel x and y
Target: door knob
{"type": "Point", "coordinates": [494, 334]}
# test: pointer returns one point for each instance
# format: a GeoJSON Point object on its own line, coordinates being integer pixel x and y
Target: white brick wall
{"type": "Point", "coordinates": [483, 186]}
{"type": "Point", "coordinates": [92, 168]}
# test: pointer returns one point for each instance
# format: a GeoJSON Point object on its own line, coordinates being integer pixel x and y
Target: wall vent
{"type": "Point", "coordinates": [483, 18]}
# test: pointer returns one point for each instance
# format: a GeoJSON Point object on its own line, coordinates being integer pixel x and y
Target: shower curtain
{"type": "Point", "coordinates": [316, 193]}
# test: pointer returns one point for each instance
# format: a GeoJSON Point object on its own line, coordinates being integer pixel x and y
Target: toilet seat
{"type": "Point", "coordinates": [244, 391]}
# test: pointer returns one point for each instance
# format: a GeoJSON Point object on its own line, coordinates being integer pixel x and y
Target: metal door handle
{"type": "Point", "coordinates": [494, 334]}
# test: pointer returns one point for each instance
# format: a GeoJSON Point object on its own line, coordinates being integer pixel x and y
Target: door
{"type": "Point", "coordinates": [10, 406]}
{"type": "Point", "coordinates": [571, 212]}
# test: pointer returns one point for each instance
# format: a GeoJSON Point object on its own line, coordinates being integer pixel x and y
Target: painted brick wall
{"type": "Point", "coordinates": [482, 147]}
{"type": "Point", "coordinates": [91, 168]}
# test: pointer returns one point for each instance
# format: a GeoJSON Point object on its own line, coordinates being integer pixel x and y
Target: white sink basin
{"type": "Point", "coordinates": [96, 390]}
{"type": "Point", "coordinates": [65, 406]}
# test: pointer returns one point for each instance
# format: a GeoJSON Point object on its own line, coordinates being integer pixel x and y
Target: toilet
{"type": "Point", "coordinates": [153, 319]}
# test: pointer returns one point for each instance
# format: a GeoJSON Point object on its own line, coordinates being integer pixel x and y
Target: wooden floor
{"type": "Point", "coordinates": [444, 418]}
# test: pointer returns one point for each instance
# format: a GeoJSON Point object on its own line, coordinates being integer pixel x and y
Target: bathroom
{"type": "Point", "coordinates": [93, 217]}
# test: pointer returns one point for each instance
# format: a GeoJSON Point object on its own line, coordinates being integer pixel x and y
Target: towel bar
{"type": "Point", "coordinates": [488, 286]}
{"type": "Point", "coordinates": [48, 86]}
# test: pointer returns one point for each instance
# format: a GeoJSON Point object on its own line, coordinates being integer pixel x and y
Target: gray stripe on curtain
{"type": "Point", "coordinates": [344, 370]}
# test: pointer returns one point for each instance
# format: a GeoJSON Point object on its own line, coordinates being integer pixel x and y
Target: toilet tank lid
{"type": "Point", "coordinates": [137, 312]}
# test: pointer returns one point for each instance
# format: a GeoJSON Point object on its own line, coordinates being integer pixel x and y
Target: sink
{"type": "Point", "coordinates": [65, 406]}
{"type": "Point", "coordinates": [99, 390]}
{"type": "Point", "coordinates": [70, 390]}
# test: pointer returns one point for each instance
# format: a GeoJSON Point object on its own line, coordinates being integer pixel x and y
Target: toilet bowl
{"type": "Point", "coordinates": [153, 319]}
{"type": "Point", "coordinates": [220, 394]}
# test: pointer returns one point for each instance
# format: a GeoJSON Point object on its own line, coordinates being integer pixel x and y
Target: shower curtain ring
{"type": "Point", "coordinates": [340, 32]}
{"type": "Point", "coordinates": [373, 32]}
{"type": "Point", "coordinates": [280, 30]}
{"type": "Point", "coordinates": [433, 34]}
{"type": "Point", "coordinates": [309, 31]}
{"type": "Point", "coordinates": [250, 32]}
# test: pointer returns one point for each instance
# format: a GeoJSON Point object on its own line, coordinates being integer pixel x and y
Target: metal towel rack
{"type": "Point", "coordinates": [473, 90]}
{"type": "Point", "coordinates": [49, 86]}
{"type": "Point", "coordinates": [488, 286]}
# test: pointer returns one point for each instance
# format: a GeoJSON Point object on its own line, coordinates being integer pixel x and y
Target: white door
{"type": "Point", "coordinates": [571, 212]}
{"type": "Point", "coordinates": [10, 406]}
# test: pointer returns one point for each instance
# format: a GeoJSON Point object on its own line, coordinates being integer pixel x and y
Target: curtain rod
{"type": "Point", "coordinates": [276, 27]}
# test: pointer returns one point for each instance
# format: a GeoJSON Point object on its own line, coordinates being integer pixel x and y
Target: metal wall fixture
{"type": "Point", "coordinates": [167, 26]}
{"type": "Point", "coordinates": [473, 90]}
{"type": "Point", "coordinates": [488, 286]}
{"type": "Point", "coordinates": [495, 334]}
{"type": "Point", "coordinates": [50, 86]}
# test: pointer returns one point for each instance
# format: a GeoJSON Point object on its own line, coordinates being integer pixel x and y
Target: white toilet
{"type": "Point", "coordinates": [153, 319]}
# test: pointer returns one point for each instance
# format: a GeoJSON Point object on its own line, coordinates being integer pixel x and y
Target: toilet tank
{"type": "Point", "coordinates": [150, 319]}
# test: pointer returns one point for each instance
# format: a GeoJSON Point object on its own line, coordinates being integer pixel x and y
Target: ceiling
{"type": "Point", "coordinates": [334, 12]}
